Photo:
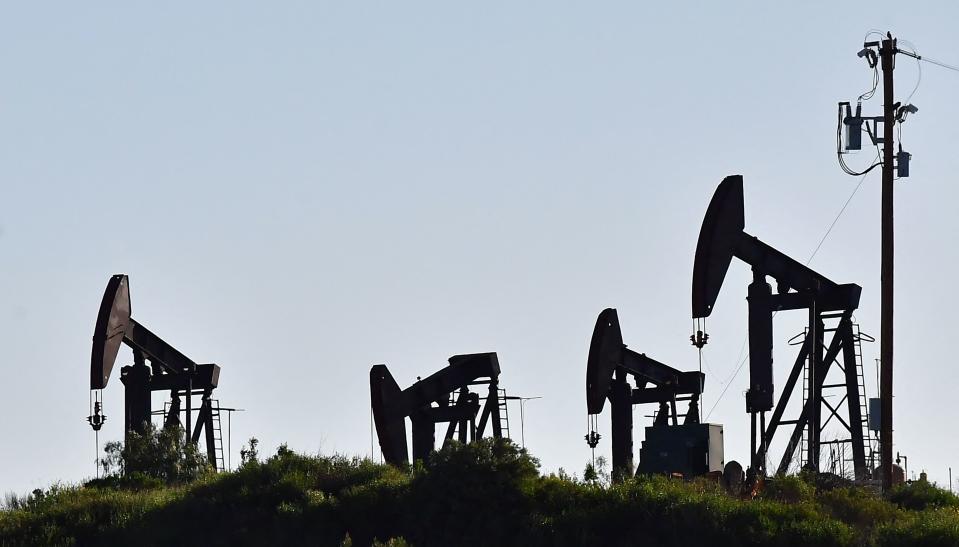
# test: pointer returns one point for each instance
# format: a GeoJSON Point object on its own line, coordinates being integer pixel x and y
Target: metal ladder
{"type": "Point", "coordinates": [219, 459]}
{"type": "Point", "coordinates": [804, 440]}
{"type": "Point", "coordinates": [840, 459]}
{"type": "Point", "coordinates": [503, 414]}
{"type": "Point", "coordinates": [869, 440]}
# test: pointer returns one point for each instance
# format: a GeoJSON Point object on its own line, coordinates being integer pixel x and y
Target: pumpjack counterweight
{"type": "Point", "coordinates": [690, 448]}
{"type": "Point", "coordinates": [721, 238]}
{"type": "Point", "coordinates": [168, 370]}
{"type": "Point", "coordinates": [443, 397]}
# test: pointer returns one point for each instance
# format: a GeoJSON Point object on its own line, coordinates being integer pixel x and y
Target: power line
{"type": "Point", "coordinates": [915, 53]}
{"type": "Point", "coordinates": [729, 383]}
{"type": "Point", "coordinates": [938, 63]}
{"type": "Point", "coordinates": [925, 58]}
{"type": "Point", "coordinates": [835, 220]}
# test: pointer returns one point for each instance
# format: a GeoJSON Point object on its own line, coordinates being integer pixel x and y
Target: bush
{"type": "Point", "coordinates": [932, 528]}
{"type": "Point", "coordinates": [857, 507]}
{"type": "Point", "coordinates": [132, 481]}
{"type": "Point", "coordinates": [921, 495]}
{"type": "Point", "coordinates": [788, 489]}
{"type": "Point", "coordinates": [473, 494]}
{"type": "Point", "coordinates": [376, 510]}
{"type": "Point", "coordinates": [155, 455]}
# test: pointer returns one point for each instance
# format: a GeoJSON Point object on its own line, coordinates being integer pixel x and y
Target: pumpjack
{"type": "Point", "coordinates": [691, 448]}
{"type": "Point", "coordinates": [798, 287]}
{"type": "Point", "coordinates": [169, 370]}
{"type": "Point", "coordinates": [444, 396]}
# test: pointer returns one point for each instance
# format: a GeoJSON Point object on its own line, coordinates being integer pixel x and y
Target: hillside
{"type": "Point", "coordinates": [481, 494]}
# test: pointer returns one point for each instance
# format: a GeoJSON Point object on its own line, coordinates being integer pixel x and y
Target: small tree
{"type": "Point", "coordinates": [597, 473]}
{"type": "Point", "coordinates": [249, 454]}
{"type": "Point", "coordinates": [163, 454]}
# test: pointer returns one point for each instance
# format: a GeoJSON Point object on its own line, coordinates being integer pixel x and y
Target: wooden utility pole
{"type": "Point", "coordinates": [887, 56]}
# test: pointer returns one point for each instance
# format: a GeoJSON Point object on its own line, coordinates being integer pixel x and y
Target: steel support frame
{"type": "Point", "coordinates": [810, 417]}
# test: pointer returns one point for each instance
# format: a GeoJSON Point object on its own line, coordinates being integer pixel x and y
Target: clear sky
{"type": "Point", "coordinates": [301, 190]}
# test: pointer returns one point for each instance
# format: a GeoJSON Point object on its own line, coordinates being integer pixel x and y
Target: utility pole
{"type": "Point", "coordinates": [882, 54]}
{"type": "Point", "coordinates": [887, 57]}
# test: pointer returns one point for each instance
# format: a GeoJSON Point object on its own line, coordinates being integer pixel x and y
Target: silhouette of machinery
{"type": "Point", "coordinates": [690, 448]}
{"type": "Point", "coordinates": [798, 287]}
{"type": "Point", "coordinates": [444, 396]}
{"type": "Point", "coordinates": [168, 370]}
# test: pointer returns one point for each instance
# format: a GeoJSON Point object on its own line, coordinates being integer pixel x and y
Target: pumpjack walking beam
{"type": "Point", "coordinates": [721, 238]}
{"type": "Point", "coordinates": [610, 365]}
{"type": "Point", "coordinates": [169, 369]}
{"type": "Point", "coordinates": [391, 406]}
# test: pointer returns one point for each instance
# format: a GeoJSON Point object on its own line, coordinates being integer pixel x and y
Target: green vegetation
{"type": "Point", "coordinates": [485, 493]}
{"type": "Point", "coordinates": [153, 458]}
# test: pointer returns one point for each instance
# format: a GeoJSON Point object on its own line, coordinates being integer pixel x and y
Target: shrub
{"type": "Point", "coordinates": [249, 454]}
{"type": "Point", "coordinates": [930, 528]}
{"type": "Point", "coordinates": [375, 510]}
{"type": "Point", "coordinates": [857, 507]}
{"type": "Point", "coordinates": [920, 495]}
{"type": "Point", "coordinates": [788, 489]}
{"type": "Point", "coordinates": [155, 455]}
{"type": "Point", "coordinates": [473, 494]}
{"type": "Point", "coordinates": [596, 472]}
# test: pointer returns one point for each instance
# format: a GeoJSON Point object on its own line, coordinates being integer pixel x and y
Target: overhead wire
{"type": "Point", "coordinates": [835, 220]}
{"type": "Point", "coordinates": [918, 57]}
{"type": "Point", "coordinates": [741, 359]}
{"type": "Point", "coordinates": [875, 85]}
{"type": "Point", "coordinates": [938, 63]}
{"type": "Point", "coordinates": [729, 383]}
{"type": "Point", "coordinates": [871, 32]}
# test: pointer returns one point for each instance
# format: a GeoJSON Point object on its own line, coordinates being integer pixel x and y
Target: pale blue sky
{"type": "Point", "coordinates": [300, 190]}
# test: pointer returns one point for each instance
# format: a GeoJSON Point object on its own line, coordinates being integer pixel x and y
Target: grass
{"type": "Point", "coordinates": [486, 493]}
